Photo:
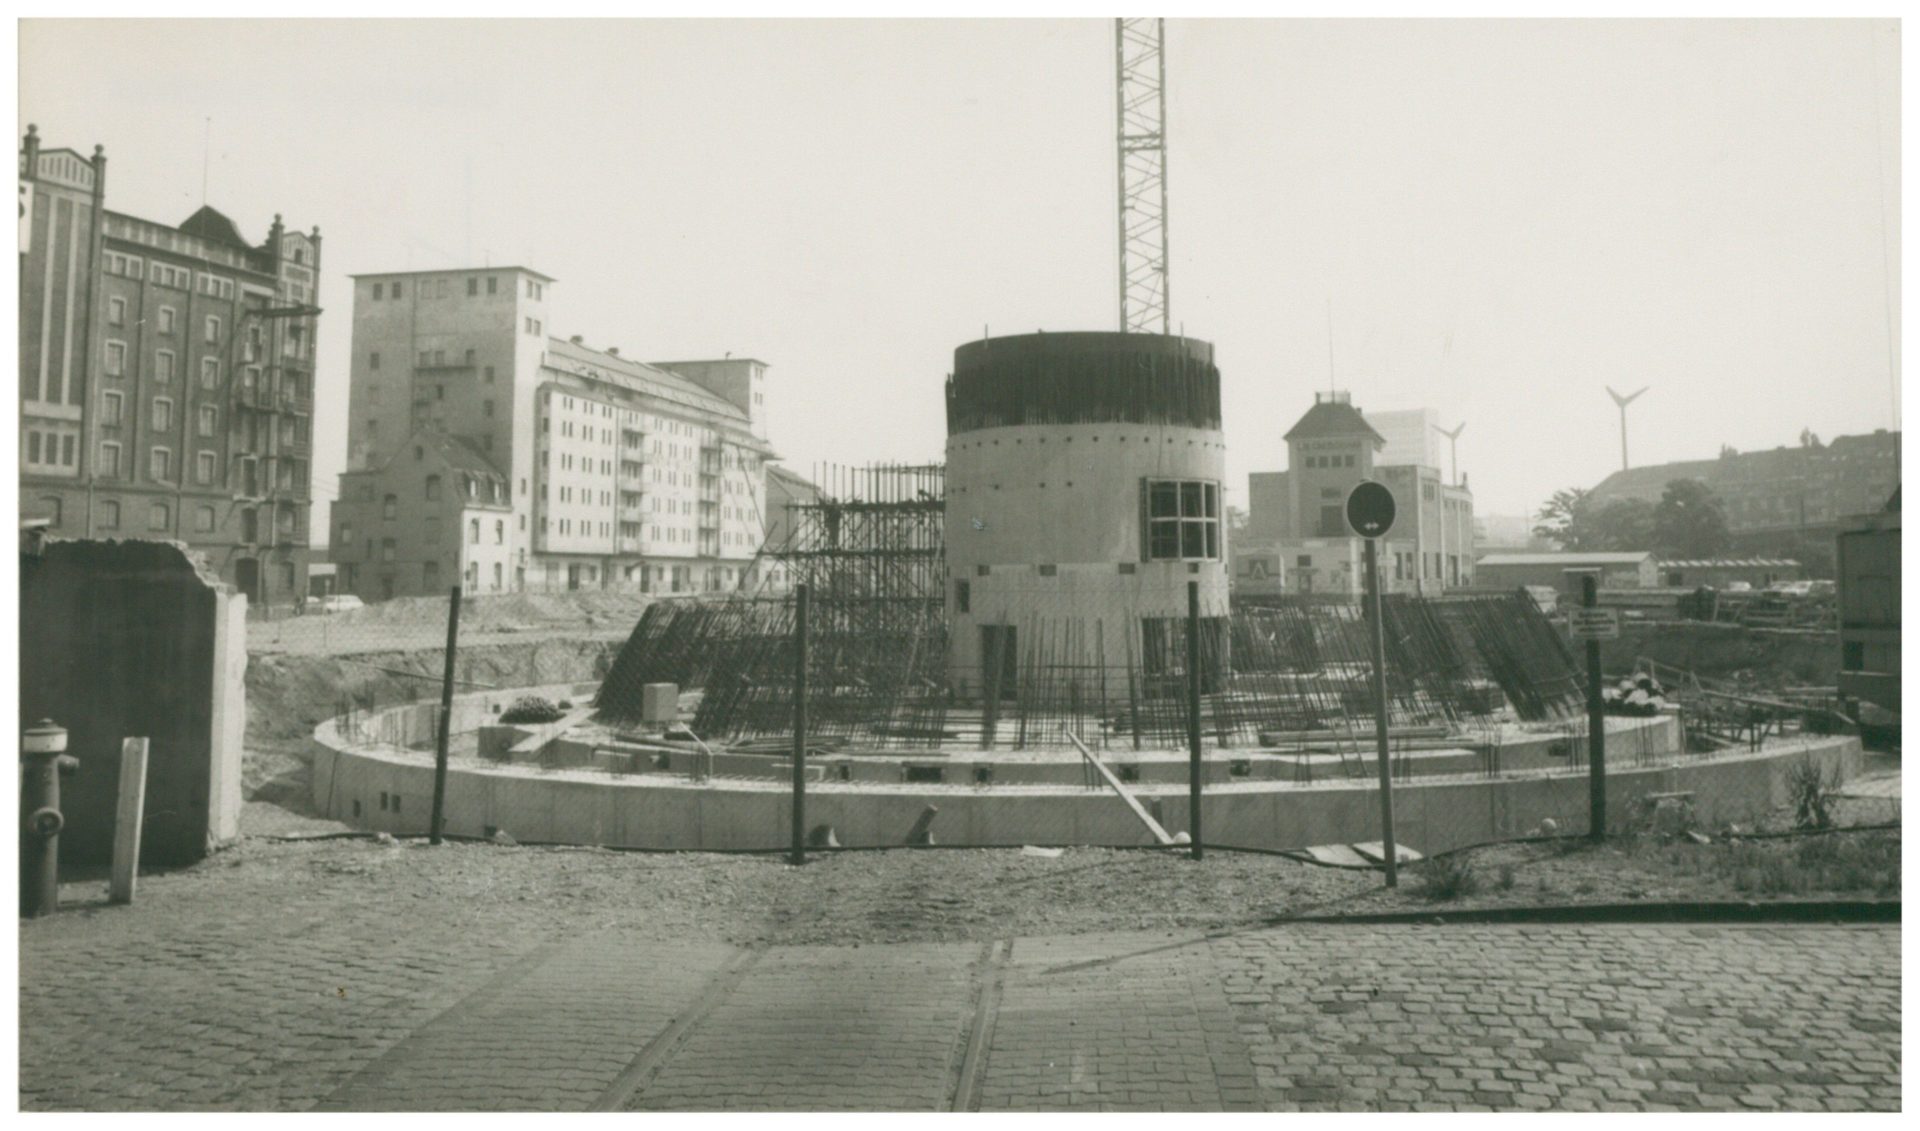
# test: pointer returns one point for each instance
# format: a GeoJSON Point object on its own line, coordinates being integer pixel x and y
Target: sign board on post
{"type": "Point", "coordinates": [1370, 510]}
{"type": "Point", "coordinates": [1593, 624]}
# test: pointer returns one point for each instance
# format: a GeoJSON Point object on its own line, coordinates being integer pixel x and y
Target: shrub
{"type": "Point", "coordinates": [1812, 791]}
{"type": "Point", "coordinates": [1447, 877]}
{"type": "Point", "coordinates": [531, 709]}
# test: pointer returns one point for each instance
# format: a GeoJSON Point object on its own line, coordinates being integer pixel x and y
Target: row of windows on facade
{"type": "Point", "coordinates": [107, 516]}
{"type": "Point", "coordinates": [57, 452]}
{"type": "Point", "coordinates": [1332, 461]}
{"type": "Point", "coordinates": [1402, 564]}
{"type": "Point", "coordinates": [443, 288]}
{"type": "Point", "coordinates": [167, 275]}
{"type": "Point", "coordinates": [431, 359]}
{"type": "Point", "coordinates": [164, 369]}
{"type": "Point", "coordinates": [650, 423]}
{"type": "Point", "coordinates": [431, 532]}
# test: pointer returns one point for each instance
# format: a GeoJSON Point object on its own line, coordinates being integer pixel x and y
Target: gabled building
{"type": "Point", "coordinates": [433, 514]}
{"type": "Point", "coordinates": [1297, 527]}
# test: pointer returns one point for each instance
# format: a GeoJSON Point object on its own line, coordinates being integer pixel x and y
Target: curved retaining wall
{"type": "Point", "coordinates": [671, 812]}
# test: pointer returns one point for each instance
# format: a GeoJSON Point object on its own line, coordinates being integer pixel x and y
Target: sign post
{"type": "Point", "coordinates": [1370, 515]}
{"type": "Point", "coordinates": [1593, 623]}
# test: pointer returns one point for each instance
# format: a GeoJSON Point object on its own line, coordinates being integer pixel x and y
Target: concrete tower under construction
{"type": "Point", "coordinates": [1084, 477]}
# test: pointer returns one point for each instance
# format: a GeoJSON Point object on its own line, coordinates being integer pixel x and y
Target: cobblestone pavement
{"type": "Point", "coordinates": [301, 1005]}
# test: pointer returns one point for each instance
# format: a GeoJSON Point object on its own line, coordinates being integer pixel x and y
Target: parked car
{"type": "Point", "coordinates": [334, 603]}
{"type": "Point", "coordinates": [1739, 587]}
{"type": "Point", "coordinates": [1791, 588]}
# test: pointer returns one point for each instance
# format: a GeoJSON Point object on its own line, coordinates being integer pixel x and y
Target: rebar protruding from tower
{"type": "Point", "coordinates": [1141, 105]}
{"type": "Point", "coordinates": [1623, 402]}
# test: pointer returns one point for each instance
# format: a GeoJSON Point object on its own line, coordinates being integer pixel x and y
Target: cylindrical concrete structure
{"type": "Point", "coordinates": [1084, 490]}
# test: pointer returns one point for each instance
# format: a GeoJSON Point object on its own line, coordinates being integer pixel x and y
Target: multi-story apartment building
{"type": "Point", "coordinates": [166, 377]}
{"type": "Point", "coordinates": [1790, 502]}
{"type": "Point", "coordinates": [618, 474]}
{"type": "Point", "coordinates": [1297, 538]}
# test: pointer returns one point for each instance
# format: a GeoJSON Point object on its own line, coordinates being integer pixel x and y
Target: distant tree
{"type": "Point", "coordinates": [1688, 523]}
{"type": "Point", "coordinates": [1624, 524]}
{"type": "Point", "coordinates": [1562, 519]}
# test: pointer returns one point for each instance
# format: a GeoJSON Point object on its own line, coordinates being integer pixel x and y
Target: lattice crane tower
{"type": "Point", "coordinates": [1141, 76]}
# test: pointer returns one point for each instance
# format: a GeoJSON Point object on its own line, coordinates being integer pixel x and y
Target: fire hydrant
{"type": "Point", "coordinates": [43, 762]}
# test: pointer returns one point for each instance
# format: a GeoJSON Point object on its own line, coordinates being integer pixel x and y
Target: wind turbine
{"type": "Point", "coordinates": [1623, 402]}
{"type": "Point", "coordinates": [1453, 447]}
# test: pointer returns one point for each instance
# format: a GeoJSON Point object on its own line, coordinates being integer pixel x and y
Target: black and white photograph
{"type": "Point", "coordinates": [992, 561]}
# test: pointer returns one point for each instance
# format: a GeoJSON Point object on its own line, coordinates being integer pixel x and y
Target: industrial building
{"type": "Point", "coordinates": [1083, 480]}
{"type": "Point", "coordinates": [1869, 598]}
{"type": "Point", "coordinates": [618, 474]}
{"type": "Point", "coordinates": [1618, 570]}
{"type": "Point", "coordinates": [1297, 539]}
{"type": "Point", "coordinates": [166, 377]}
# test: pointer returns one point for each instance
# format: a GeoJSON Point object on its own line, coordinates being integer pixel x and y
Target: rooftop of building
{"type": "Point", "coordinates": [1729, 563]}
{"type": "Point", "coordinates": [1333, 415]}
{"type": "Point", "coordinates": [456, 454]}
{"type": "Point", "coordinates": [1652, 479]}
{"type": "Point", "coordinates": [645, 379]}
{"type": "Point", "coordinates": [452, 271]}
{"type": "Point", "coordinates": [1568, 557]}
{"type": "Point", "coordinates": [709, 361]}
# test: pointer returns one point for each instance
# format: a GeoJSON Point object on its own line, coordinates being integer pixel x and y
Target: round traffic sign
{"type": "Point", "coordinates": [1370, 510]}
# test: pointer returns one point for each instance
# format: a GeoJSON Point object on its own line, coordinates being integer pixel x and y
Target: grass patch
{"type": "Point", "coordinates": [1443, 878]}
{"type": "Point", "coordinates": [1868, 863]}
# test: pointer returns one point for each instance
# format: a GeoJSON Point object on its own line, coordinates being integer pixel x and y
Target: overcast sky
{"type": "Point", "coordinates": [1504, 216]}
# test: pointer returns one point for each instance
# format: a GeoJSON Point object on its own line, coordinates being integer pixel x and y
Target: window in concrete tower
{"type": "Point", "coordinates": [1183, 520]}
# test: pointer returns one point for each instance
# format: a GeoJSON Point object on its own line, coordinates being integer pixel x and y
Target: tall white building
{"type": "Point", "coordinates": [1412, 437]}
{"type": "Point", "coordinates": [619, 474]}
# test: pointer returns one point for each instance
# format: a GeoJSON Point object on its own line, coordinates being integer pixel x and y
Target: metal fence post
{"type": "Point", "coordinates": [1596, 723]}
{"type": "Point", "coordinates": [438, 819]}
{"type": "Point", "coordinates": [799, 852]}
{"type": "Point", "coordinates": [1193, 715]}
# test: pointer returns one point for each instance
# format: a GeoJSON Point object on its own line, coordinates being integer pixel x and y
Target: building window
{"type": "Point", "coordinates": [109, 515]}
{"type": "Point", "coordinates": [116, 312]}
{"type": "Point", "coordinates": [110, 408]}
{"type": "Point", "coordinates": [474, 528]}
{"type": "Point", "coordinates": [433, 486]}
{"type": "Point", "coordinates": [499, 531]}
{"type": "Point", "coordinates": [386, 549]}
{"type": "Point", "coordinates": [493, 285]}
{"type": "Point", "coordinates": [390, 507]}
{"type": "Point", "coordinates": [486, 408]}
{"type": "Point", "coordinates": [116, 359]}
{"type": "Point", "coordinates": [159, 517]}
{"type": "Point", "coordinates": [203, 468]}
{"type": "Point", "coordinates": [162, 414]}
{"type": "Point", "coordinates": [209, 419]}
{"type": "Point", "coordinates": [1183, 517]}
{"type": "Point", "coordinates": [396, 288]}
{"type": "Point", "coordinates": [110, 460]}
{"type": "Point", "coordinates": [203, 520]}
{"type": "Point", "coordinates": [376, 292]}
{"type": "Point", "coordinates": [209, 372]}
{"type": "Point", "coordinates": [160, 464]}
{"type": "Point", "coordinates": [166, 320]}
{"type": "Point", "coordinates": [473, 286]}
{"type": "Point", "coordinates": [163, 366]}
{"type": "Point", "coordinates": [373, 361]}
{"type": "Point", "coordinates": [213, 330]}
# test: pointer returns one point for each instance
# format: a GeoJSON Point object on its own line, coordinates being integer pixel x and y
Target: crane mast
{"type": "Point", "coordinates": [1141, 105]}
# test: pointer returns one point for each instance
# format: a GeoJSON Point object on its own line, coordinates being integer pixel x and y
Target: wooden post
{"type": "Point", "coordinates": [438, 820]}
{"type": "Point", "coordinates": [1596, 721]}
{"type": "Point", "coordinates": [798, 855]}
{"type": "Point", "coordinates": [1193, 715]}
{"type": "Point", "coordinates": [126, 819]}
